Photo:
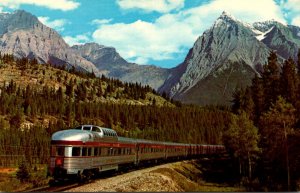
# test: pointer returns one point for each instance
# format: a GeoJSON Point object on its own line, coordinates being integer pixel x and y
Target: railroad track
{"type": "Point", "coordinates": [59, 188]}
{"type": "Point", "coordinates": [71, 184]}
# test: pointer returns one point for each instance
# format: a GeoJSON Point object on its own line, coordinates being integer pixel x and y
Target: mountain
{"type": "Point", "coordinates": [108, 60]}
{"type": "Point", "coordinates": [285, 39]}
{"type": "Point", "coordinates": [227, 56]}
{"type": "Point", "coordinates": [102, 56]}
{"type": "Point", "coordinates": [23, 35]}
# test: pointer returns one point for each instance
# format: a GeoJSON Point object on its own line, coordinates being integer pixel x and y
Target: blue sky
{"type": "Point", "coordinates": [158, 32]}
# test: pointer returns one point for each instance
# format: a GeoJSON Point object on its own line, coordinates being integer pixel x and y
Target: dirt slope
{"type": "Point", "coordinates": [172, 177]}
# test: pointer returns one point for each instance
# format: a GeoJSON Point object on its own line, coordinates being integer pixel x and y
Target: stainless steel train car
{"type": "Point", "coordinates": [89, 149]}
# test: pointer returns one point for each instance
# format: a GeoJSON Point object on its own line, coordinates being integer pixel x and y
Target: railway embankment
{"type": "Point", "coordinates": [180, 176]}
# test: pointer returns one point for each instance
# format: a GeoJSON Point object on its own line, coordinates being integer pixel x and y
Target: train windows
{"type": "Point", "coordinates": [96, 129]}
{"type": "Point", "coordinates": [60, 151]}
{"type": "Point", "coordinates": [76, 151]}
{"type": "Point", "coordinates": [96, 151]}
{"type": "Point", "coordinates": [84, 151]}
{"type": "Point", "coordinates": [89, 151]}
{"type": "Point", "coordinates": [87, 128]}
{"type": "Point", "coordinates": [79, 127]}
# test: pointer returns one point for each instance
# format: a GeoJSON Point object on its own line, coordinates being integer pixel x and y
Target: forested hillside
{"type": "Point", "coordinates": [37, 100]}
{"type": "Point", "coordinates": [268, 114]}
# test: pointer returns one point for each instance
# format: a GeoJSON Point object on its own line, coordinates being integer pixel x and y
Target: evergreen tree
{"type": "Point", "coordinates": [276, 124]}
{"type": "Point", "coordinates": [289, 81]}
{"type": "Point", "coordinates": [242, 139]}
{"type": "Point", "coordinates": [298, 61]}
{"type": "Point", "coordinates": [271, 77]}
{"type": "Point", "coordinates": [258, 97]}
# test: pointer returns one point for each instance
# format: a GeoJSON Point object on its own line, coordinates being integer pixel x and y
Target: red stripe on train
{"type": "Point", "coordinates": [80, 143]}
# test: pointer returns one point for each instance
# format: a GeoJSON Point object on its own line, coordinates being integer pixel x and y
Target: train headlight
{"type": "Point", "coordinates": [58, 161]}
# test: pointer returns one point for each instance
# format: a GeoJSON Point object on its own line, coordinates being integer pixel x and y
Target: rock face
{"type": "Point", "coordinates": [23, 35]}
{"type": "Point", "coordinates": [108, 60]}
{"type": "Point", "coordinates": [227, 56]}
{"type": "Point", "coordinates": [103, 57]}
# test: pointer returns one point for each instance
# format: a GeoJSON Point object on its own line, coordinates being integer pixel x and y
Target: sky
{"type": "Point", "coordinates": [158, 32]}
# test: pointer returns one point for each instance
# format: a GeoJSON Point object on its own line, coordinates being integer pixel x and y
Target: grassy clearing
{"type": "Point", "coordinates": [10, 183]}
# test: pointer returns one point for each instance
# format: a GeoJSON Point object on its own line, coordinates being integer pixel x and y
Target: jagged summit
{"type": "Point", "coordinates": [16, 20]}
{"type": "Point", "coordinates": [226, 15]}
{"type": "Point", "coordinates": [266, 25]}
{"type": "Point", "coordinates": [23, 35]}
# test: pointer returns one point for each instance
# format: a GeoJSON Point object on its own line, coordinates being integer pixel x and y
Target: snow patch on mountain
{"type": "Point", "coordinates": [262, 35]}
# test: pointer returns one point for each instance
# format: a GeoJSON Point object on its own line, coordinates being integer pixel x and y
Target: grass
{"type": "Point", "coordinates": [191, 178]}
{"type": "Point", "coordinates": [10, 183]}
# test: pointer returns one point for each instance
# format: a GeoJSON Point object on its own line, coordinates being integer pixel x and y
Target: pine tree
{"type": "Point", "coordinates": [271, 77]}
{"type": "Point", "coordinates": [242, 139]}
{"type": "Point", "coordinates": [298, 61]}
{"type": "Point", "coordinates": [258, 97]}
{"type": "Point", "coordinates": [289, 81]}
{"type": "Point", "coordinates": [276, 125]}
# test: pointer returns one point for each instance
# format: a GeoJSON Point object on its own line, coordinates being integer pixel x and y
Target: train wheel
{"type": "Point", "coordinates": [80, 178]}
{"type": "Point", "coordinates": [52, 182]}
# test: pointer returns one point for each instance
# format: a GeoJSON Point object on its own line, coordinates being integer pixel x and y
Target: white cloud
{"type": "Point", "coordinates": [101, 21]}
{"type": "Point", "coordinates": [77, 40]}
{"type": "Point", "coordinates": [141, 41]}
{"type": "Point", "coordinates": [140, 60]}
{"type": "Point", "coordinates": [291, 5]}
{"type": "Point", "coordinates": [64, 5]}
{"type": "Point", "coordinates": [162, 6]}
{"type": "Point", "coordinates": [296, 21]}
{"type": "Point", "coordinates": [57, 24]}
{"type": "Point", "coordinates": [173, 34]}
{"type": "Point", "coordinates": [292, 10]}
{"type": "Point", "coordinates": [249, 11]}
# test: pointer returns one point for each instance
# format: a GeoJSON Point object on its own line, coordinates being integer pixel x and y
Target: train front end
{"type": "Point", "coordinates": [65, 160]}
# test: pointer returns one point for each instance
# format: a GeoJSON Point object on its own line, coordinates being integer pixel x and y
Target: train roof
{"type": "Point", "coordinates": [86, 133]}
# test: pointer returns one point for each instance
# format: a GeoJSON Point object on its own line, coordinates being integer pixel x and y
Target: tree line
{"type": "Point", "coordinates": [78, 102]}
{"type": "Point", "coordinates": [266, 125]}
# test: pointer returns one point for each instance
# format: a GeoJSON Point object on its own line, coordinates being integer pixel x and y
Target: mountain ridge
{"type": "Point", "coordinates": [228, 41]}
{"type": "Point", "coordinates": [23, 35]}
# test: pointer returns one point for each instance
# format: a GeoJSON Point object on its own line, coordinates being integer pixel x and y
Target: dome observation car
{"type": "Point", "coordinates": [85, 133]}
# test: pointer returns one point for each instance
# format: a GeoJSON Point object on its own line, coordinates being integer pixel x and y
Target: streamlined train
{"type": "Point", "coordinates": [88, 149]}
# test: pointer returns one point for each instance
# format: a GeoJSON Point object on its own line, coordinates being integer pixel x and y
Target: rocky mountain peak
{"type": "Point", "coordinates": [104, 58]}
{"type": "Point", "coordinates": [229, 40]}
{"type": "Point", "coordinates": [266, 25]}
{"type": "Point", "coordinates": [17, 20]}
{"type": "Point", "coordinates": [224, 18]}
{"type": "Point", "coordinates": [23, 35]}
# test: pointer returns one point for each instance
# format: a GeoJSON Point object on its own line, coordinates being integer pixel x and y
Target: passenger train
{"type": "Point", "coordinates": [88, 149]}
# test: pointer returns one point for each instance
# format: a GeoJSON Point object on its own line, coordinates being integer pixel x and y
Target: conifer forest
{"type": "Point", "coordinates": [260, 130]}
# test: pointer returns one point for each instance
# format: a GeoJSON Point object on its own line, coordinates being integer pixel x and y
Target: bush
{"type": "Point", "coordinates": [23, 172]}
